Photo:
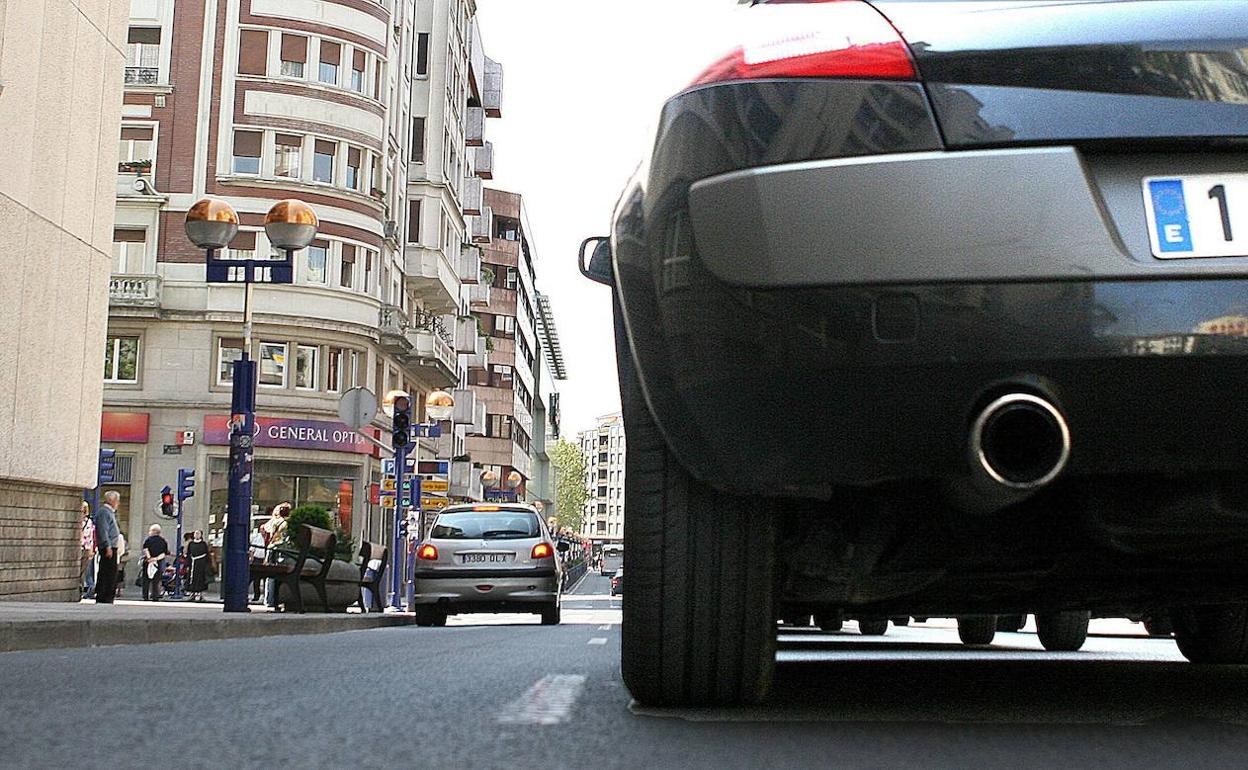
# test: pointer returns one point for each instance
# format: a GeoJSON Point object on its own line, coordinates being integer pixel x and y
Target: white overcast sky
{"type": "Point", "coordinates": [583, 83]}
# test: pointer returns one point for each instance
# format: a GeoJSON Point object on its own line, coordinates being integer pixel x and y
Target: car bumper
{"type": "Point", "coordinates": [485, 593]}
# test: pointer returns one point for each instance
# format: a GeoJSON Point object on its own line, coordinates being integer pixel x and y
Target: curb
{"type": "Point", "coordinates": [92, 632]}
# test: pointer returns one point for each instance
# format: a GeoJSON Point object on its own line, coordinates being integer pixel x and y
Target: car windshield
{"type": "Point", "coordinates": [495, 525]}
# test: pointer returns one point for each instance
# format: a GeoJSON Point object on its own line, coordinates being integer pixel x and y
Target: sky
{"type": "Point", "coordinates": [583, 83]}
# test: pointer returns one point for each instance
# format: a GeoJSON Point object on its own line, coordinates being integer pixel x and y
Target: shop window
{"type": "Point", "coordinates": [294, 55]}
{"type": "Point", "coordinates": [323, 161]}
{"type": "Point", "coordinates": [121, 360]}
{"type": "Point", "coordinates": [288, 156]}
{"type": "Point", "coordinates": [247, 152]}
{"type": "Point", "coordinates": [306, 367]}
{"type": "Point", "coordinates": [273, 364]}
{"type": "Point", "coordinates": [318, 258]}
{"type": "Point", "coordinates": [228, 351]}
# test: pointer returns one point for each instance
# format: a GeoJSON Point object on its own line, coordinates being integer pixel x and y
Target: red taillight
{"type": "Point", "coordinates": [543, 551]}
{"type": "Point", "coordinates": [427, 552]}
{"type": "Point", "coordinates": [817, 39]}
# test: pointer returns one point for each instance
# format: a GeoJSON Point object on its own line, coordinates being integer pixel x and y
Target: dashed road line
{"type": "Point", "coordinates": [598, 640]}
{"type": "Point", "coordinates": [548, 702]}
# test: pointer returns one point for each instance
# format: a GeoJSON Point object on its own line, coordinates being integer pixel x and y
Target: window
{"type": "Point", "coordinates": [333, 369]}
{"type": "Point", "coordinates": [602, 526]}
{"type": "Point", "coordinates": [418, 140]}
{"type": "Point", "coordinates": [121, 359]}
{"type": "Point", "coordinates": [513, 278]}
{"type": "Point", "coordinates": [498, 426]}
{"type": "Point", "coordinates": [368, 272]}
{"type": "Point", "coordinates": [422, 54]}
{"type": "Point", "coordinates": [323, 161]}
{"type": "Point", "coordinates": [243, 246]}
{"type": "Point", "coordinates": [129, 250]}
{"type": "Point", "coordinates": [413, 221]}
{"type": "Point", "coordinates": [318, 258]}
{"type": "Point", "coordinates": [346, 276]}
{"type": "Point", "coordinates": [331, 57]}
{"type": "Point", "coordinates": [602, 509]}
{"type": "Point", "coordinates": [305, 367]}
{"type": "Point", "coordinates": [602, 491]}
{"type": "Point", "coordinates": [143, 56]}
{"type": "Point", "coordinates": [504, 326]}
{"type": "Point", "coordinates": [501, 376]}
{"type": "Point", "coordinates": [253, 52]}
{"type": "Point", "coordinates": [272, 364]}
{"type": "Point", "coordinates": [354, 371]}
{"type": "Point", "coordinates": [289, 156]}
{"type": "Point", "coordinates": [294, 55]}
{"type": "Point", "coordinates": [247, 152]}
{"type": "Point", "coordinates": [136, 146]}
{"type": "Point", "coordinates": [228, 351]}
{"type": "Point", "coordinates": [355, 180]}
{"type": "Point", "coordinates": [359, 62]}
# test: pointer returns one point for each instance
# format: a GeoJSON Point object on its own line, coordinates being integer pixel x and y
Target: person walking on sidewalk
{"type": "Point", "coordinates": [155, 549]}
{"type": "Point", "coordinates": [86, 570]}
{"type": "Point", "coordinates": [107, 539]}
{"type": "Point", "coordinates": [201, 562]}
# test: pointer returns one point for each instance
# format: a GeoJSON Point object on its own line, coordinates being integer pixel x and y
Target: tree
{"type": "Point", "coordinates": [570, 492]}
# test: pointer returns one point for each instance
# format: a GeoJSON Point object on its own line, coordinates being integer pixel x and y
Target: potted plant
{"type": "Point", "coordinates": [134, 166]}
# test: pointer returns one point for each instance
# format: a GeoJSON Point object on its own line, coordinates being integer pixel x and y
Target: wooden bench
{"type": "Point", "coordinates": [368, 552]}
{"type": "Point", "coordinates": [310, 563]}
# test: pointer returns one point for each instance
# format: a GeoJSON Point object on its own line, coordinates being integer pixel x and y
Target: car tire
{"type": "Point", "coordinates": [901, 621]}
{"type": "Point", "coordinates": [1011, 624]}
{"type": "Point", "coordinates": [797, 621]}
{"type": "Point", "coordinates": [1159, 626]}
{"type": "Point", "coordinates": [1216, 634]}
{"type": "Point", "coordinates": [829, 623]}
{"type": "Point", "coordinates": [429, 615]}
{"type": "Point", "coordinates": [977, 630]}
{"type": "Point", "coordinates": [1062, 631]}
{"type": "Point", "coordinates": [873, 627]}
{"type": "Point", "coordinates": [699, 624]}
{"type": "Point", "coordinates": [550, 615]}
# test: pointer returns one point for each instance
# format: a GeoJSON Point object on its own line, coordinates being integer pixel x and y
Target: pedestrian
{"type": "Point", "coordinates": [275, 532]}
{"type": "Point", "coordinates": [201, 564]}
{"type": "Point", "coordinates": [257, 552]}
{"type": "Point", "coordinates": [122, 549]}
{"type": "Point", "coordinates": [155, 550]}
{"type": "Point", "coordinates": [107, 540]}
{"type": "Point", "coordinates": [86, 569]}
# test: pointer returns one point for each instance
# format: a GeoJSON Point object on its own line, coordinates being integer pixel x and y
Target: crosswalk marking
{"type": "Point", "coordinates": [548, 702]}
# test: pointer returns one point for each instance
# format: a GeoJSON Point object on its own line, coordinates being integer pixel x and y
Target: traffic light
{"type": "Point", "coordinates": [186, 483]}
{"type": "Point", "coordinates": [166, 504]}
{"type": "Point", "coordinates": [401, 428]}
{"type": "Point", "coordinates": [107, 463]}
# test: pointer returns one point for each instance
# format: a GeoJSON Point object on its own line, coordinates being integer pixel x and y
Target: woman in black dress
{"type": "Point", "coordinates": [201, 565]}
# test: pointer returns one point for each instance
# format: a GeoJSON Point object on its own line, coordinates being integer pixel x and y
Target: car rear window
{"type": "Point", "coordinates": [495, 525]}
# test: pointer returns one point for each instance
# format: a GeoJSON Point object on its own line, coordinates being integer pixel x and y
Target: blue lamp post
{"type": "Point", "coordinates": [211, 224]}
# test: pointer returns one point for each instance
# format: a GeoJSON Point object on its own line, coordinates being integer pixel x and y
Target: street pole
{"type": "Point", "coordinates": [177, 562]}
{"type": "Point", "coordinates": [242, 455]}
{"type": "Point", "coordinates": [398, 548]}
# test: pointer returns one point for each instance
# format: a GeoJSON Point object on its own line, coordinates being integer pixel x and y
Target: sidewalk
{"type": "Point", "coordinates": [46, 625]}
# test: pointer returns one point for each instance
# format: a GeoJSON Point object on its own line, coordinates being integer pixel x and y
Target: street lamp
{"type": "Point", "coordinates": [211, 224]}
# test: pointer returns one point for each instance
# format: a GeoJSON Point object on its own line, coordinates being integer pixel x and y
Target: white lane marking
{"type": "Point", "coordinates": [548, 702]}
{"type": "Point", "coordinates": [598, 640]}
{"type": "Point", "coordinates": [607, 627]}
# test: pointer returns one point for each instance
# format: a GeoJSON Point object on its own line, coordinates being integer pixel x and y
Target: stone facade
{"type": "Point", "coordinates": [39, 542]}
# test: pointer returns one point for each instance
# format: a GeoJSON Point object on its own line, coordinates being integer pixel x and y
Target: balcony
{"type": "Point", "coordinates": [479, 357]}
{"type": "Point", "coordinates": [468, 266]}
{"type": "Point", "coordinates": [432, 278]}
{"type": "Point", "coordinates": [392, 328]}
{"type": "Point", "coordinates": [479, 295]}
{"type": "Point", "coordinates": [465, 480]}
{"type": "Point", "coordinates": [142, 76]}
{"type": "Point", "coordinates": [135, 291]}
{"type": "Point", "coordinates": [473, 195]}
{"type": "Point", "coordinates": [492, 89]}
{"type": "Point", "coordinates": [474, 127]}
{"type": "Point", "coordinates": [483, 226]}
{"type": "Point", "coordinates": [478, 420]}
{"type": "Point", "coordinates": [465, 406]}
{"type": "Point", "coordinates": [434, 356]}
{"type": "Point", "coordinates": [484, 160]}
{"type": "Point", "coordinates": [466, 334]}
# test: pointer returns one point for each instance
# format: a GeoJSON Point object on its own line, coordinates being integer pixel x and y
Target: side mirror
{"type": "Point", "coordinates": [598, 266]}
{"type": "Point", "coordinates": [563, 547]}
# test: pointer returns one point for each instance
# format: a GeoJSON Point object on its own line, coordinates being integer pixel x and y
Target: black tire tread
{"type": "Point", "coordinates": [1213, 635]}
{"type": "Point", "coordinates": [1062, 631]}
{"type": "Point", "coordinates": [978, 630]}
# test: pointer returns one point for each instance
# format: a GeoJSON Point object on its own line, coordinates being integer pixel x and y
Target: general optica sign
{"type": "Point", "coordinates": [291, 434]}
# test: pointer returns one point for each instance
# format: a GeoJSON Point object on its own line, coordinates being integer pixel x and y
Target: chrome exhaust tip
{"type": "Point", "coordinates": [1021, 441]}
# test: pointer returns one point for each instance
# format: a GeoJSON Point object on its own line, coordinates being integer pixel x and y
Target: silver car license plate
{"type": "Point", "coordinates": [486, 558]}
{"type": "Point", "coordinates": [1197, 215]}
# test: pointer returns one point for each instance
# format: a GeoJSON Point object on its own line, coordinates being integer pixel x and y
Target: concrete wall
{"type": "Point", "coordinates": [61, 68]}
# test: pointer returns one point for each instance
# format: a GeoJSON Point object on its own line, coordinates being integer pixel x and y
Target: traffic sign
{"type": "Point", "coordinates": [434, 503]}
{"type": "Point", "coordinates": [435, 485]}
{"type": "Point", "coordinates": [357, 407]}
{"type": "Point", "coordinates": [387, 502]}
{"type": "Point", "coordinates": [387, 484]}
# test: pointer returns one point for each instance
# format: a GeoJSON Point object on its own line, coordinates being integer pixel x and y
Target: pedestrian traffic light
{"type": "Point", "coordinates": [107, 463]}
{"type": "Point", "coordinates": [166, 504]}
{"type": "Point", "coordinates": [186, 483]}
{"type": "Point", "coordinates": [401, 428]}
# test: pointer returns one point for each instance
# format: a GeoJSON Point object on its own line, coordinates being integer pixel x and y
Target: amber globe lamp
{"type": "Point", "coordinates": [489, 479]}
{"type": "Point", "coordinates": [439, 405]}
{"type": "Point", "coordinates": [291, 225]}
{"type": "Point", "coordinates": [514, 480]}
{"type": "Point", "coordinates": [211, 224]}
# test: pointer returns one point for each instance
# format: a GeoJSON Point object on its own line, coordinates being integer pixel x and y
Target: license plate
{"type": "Point", "coordinates": [1202, 215]}
{"type": "Point", "coordinates": [486, 558]}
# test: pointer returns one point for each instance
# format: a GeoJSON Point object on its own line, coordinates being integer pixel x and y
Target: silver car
{"type": "Point", "coordinates": [488, 558]}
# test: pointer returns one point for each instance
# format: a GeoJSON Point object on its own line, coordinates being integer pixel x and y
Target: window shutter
{"type": "Point", "coordinates": [147, 35]}
{"type": "Point", "coordinates": [325, 148]}
{"type": "Point", "coordinates": [348, 253]}
{"type": "Point", "coordinates": [290, 140]}
{"type": "Point", "coordinates": [129, 235]}
{"type": "Point", "coordinates": [137, 133]}
{"type": "Point", "coordinates": [331, 53]}
{"type": "Point", "coordinates": [294, 48]}
{"type": "Point", "coordinates": [253, 52]}
{"type": "Point", "coordinates": [358, 60]}
{"type": "Point", "coordinates": [353, 157]}
{"type": "Point", "coordinates": [244, 241]}
{"type": "Point", "coordinates": [247, 144]}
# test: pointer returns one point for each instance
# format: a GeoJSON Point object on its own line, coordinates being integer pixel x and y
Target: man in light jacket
{"type": "Point", "coordinates": [107, 536]}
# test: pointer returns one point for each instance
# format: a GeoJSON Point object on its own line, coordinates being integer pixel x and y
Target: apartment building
{"type": "Point", "coordinates": [255, 101]}
{"type": "Point", "coordinates": [603, 451]}
{"type": "Point", "coordinates": [521, 404]}
{"type": "Point", "coordinates": [60, 107]}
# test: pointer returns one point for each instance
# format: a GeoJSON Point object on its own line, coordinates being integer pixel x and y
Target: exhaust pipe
{"type": "Point", "coordinates": [1021, 441]}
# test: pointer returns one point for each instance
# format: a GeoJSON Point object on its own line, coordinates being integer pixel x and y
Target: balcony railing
{"type": "Point", "coordinates": [134, 291]}
{"type": "Point", "coordinates": [465, 406]}
{"type": "Point", "coordinates": [142, 76]}
{"type": "Point", "coordinates": [468, 265]}
{"type": "Point", "coordinates": [483, 225]}
{"type": "Point", "coordinates": [492, 92]}
{"type": "Point", "coordinates": [474, 127]}
{"type": "Point", "coordinates": [432, 277]}
{"type": "Point", "coordinates": [473, 195]}
{"type": "Point", "coordinates": [479, 294]}
{"type": "Point", "coordinates": [392, 327]}
{"type": "Point", "coordinates": [435, 352]}
{"type": "Point", "coordinates": [484, 165]}
{"type": "Point", "coordinates": [465, 480]}
{"type": "Point", "coordinates": [466, 334]}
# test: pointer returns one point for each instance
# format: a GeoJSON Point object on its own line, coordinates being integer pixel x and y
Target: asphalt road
{"type": "Point", "coordinates": [505, 692]}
